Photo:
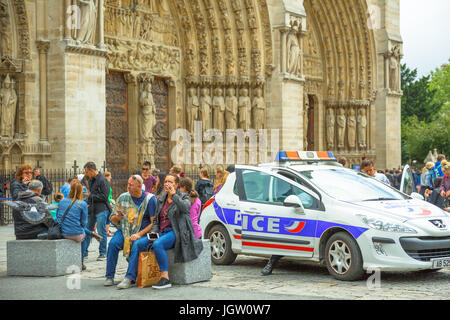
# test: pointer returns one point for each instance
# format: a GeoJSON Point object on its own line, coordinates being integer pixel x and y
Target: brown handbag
{"type": "Point", "coordinates": [148, 270]}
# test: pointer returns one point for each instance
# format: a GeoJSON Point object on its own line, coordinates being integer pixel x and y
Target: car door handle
{"type": "Point", "coordinates": [253, 211]}
{"type": "Point", "coordinates": [231, 204]}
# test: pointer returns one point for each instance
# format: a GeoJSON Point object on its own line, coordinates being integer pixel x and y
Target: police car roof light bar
{"type": "Point", "coordinates": [304, 156]}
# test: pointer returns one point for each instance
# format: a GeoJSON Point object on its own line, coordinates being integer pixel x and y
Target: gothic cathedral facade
{"type": "Point", "coordinates": [112, 80]}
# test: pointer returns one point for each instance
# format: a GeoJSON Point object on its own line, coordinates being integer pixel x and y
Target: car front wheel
{"type": "Point", "coordinates": [221, 252]}
{"type": "Point", "coordinates": [343, 257]}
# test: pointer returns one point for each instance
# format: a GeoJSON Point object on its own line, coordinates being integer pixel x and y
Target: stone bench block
{"type": "Point", "coordinates": [193, 271]}
{"type": "Point", "coordinates": [43, 257]}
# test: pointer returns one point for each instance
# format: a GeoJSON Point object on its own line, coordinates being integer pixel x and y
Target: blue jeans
{"type": "Point", "coordinates": [84, 244]}
{"type": "Point", "coordinates": [165, 242]}
{"type": "Point", "coordinates": [115, 246]}
{"type": "Point", "coordinates": [100, 219]}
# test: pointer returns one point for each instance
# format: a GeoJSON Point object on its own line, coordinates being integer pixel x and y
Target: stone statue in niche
{"type": "Point", "coordinates": [5, 39]}
{"type": "Point", "coordinates": [231, 109]}
{"type": "Point", "coordinates": [393, 73]}
{"type": "Point", "coordinates": [341, 122]}
{"type": "Point", "coordinates": [148, 114]}
{"type": "Point", "coordinates": [193, 109]}
{"type": "Point", "coordinates": [362, 125]}
{"type": "Point", "coordinates": [205, 106]}
{"type": "Point", "coordinates": [244, 110]}
{"type": "Point", "coordinates": [87, 22]}
{"type": "Point", "coordinates": [258, 106]}
{"type": "Point", "coordinates": [8, 101]}
{"type": "Point", "coordinates": [330, 120]}
{"type": "Point", "coordinates": [294, 54]}
{"type": "Point", "coordinates": [351, 128]}
{"type": "Point", "coordinates": [218, 105]}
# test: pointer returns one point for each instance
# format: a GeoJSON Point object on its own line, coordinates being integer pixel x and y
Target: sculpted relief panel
{"type": "Point", "coordinates": [140, 56]}
{"type": "Point", "coordinates": [142, 36]}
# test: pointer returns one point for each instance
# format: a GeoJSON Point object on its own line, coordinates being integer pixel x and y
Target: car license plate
{"type": "Point", "coordinates": [440, 263]}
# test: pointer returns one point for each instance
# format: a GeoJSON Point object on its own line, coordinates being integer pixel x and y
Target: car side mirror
{"type": "Point", "coordinates": [417, 196]}
{"type": "Point", "coordinates": [294, 202]}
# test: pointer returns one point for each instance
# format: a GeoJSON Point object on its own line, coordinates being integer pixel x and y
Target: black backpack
{"type": "Point", "coordinates": [206, 192]}
{"type": "Point", "coordinates": [48, 188]}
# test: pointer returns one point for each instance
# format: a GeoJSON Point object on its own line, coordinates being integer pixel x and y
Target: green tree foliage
{"type": "Point", "coordinates": [417, 96]}
{"type": "Point", "coordinates": [419, 137]}
{"type": "Point", "coordinates": [440, 85]}
{"type": "Point", "coordinates": [425, 113]}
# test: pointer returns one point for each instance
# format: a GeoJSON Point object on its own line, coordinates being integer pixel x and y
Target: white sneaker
{"type": "Point", "coordinates": [108, 282]}
{"type": "Point", "coordinates": [125, 284]}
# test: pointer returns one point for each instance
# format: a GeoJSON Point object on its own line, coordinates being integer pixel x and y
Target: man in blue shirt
{"type": "Point", "coordinates": [139, 239]}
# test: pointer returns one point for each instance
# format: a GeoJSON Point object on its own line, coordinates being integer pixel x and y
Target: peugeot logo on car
{"type": "Point", "coordinates": [439, 224]}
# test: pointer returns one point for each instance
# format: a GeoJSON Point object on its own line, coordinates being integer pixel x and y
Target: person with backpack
{"type": "Point", "coordinates": [204, 186]}
{"type": "Point", "coordinates": [439, 166]}
{"type": "Point", "coordinates": [186, 186]}
{"type": "Point", "coordinates": [48, 188]}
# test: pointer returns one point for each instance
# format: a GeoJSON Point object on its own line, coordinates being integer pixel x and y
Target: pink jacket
{"type": "Point", "coordinates": [196, 208]}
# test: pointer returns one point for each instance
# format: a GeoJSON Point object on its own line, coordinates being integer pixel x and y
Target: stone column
{"type": "Point", "coordinates": [43, 47]}
{"type": "Point", "coordinates": [385, 112]}
{"type": "Point", "coordinates": [133, 114]}
{"type": "Point", "coordinates": [101, 32]}
{"type": "Point", "coordinates": [284, 31]}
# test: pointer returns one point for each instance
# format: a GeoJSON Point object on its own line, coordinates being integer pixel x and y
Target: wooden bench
{"type": "Point", "coordinates": [43, 257]}
{"type": "Point", "coordinates": [193, 271]}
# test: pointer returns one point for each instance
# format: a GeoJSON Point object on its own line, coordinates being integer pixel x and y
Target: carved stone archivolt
{"type": "Point", "coordinates": [348, 47]}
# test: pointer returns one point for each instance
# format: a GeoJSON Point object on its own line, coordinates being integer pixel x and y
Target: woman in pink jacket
{"type": "Point", "coordinates": [187, 186]}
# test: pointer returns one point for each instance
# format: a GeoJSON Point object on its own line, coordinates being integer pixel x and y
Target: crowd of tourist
{"type": "Point", "coordinates": [160, 211]}
{"type": "Point", "coordinates": [431, 181]}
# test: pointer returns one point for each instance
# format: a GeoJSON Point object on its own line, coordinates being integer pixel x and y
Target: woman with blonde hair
{"type": "Point", "coordinates": [72, 216]}
{"type": "Point", "coordinates": [427, 178]}
{"type": "Point", "coordinates": [221, 177]}
{"type": "Point", "coordinates": [176, 170]}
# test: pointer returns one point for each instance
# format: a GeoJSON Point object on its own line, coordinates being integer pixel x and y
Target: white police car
{"type": "Point", "coordinates": [322, 212]}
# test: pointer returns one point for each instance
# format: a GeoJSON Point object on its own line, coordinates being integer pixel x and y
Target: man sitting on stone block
{"type": "Point", "coordinates": [133, 217]}
{"type": "Point", "coordinates": [24, 227]}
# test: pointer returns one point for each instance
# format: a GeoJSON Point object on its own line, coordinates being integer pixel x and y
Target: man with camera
{"type": "Point", "coordinates": [133, 217]}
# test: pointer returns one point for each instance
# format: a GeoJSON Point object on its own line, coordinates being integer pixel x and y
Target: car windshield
{"type": "Point", "coordinates": [348, 185]}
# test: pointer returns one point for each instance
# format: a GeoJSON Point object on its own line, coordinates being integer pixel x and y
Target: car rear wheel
{"type": "Point", "coordinates": [343, 257]}
{"type": "Point", "coordinates": [221, 252]}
